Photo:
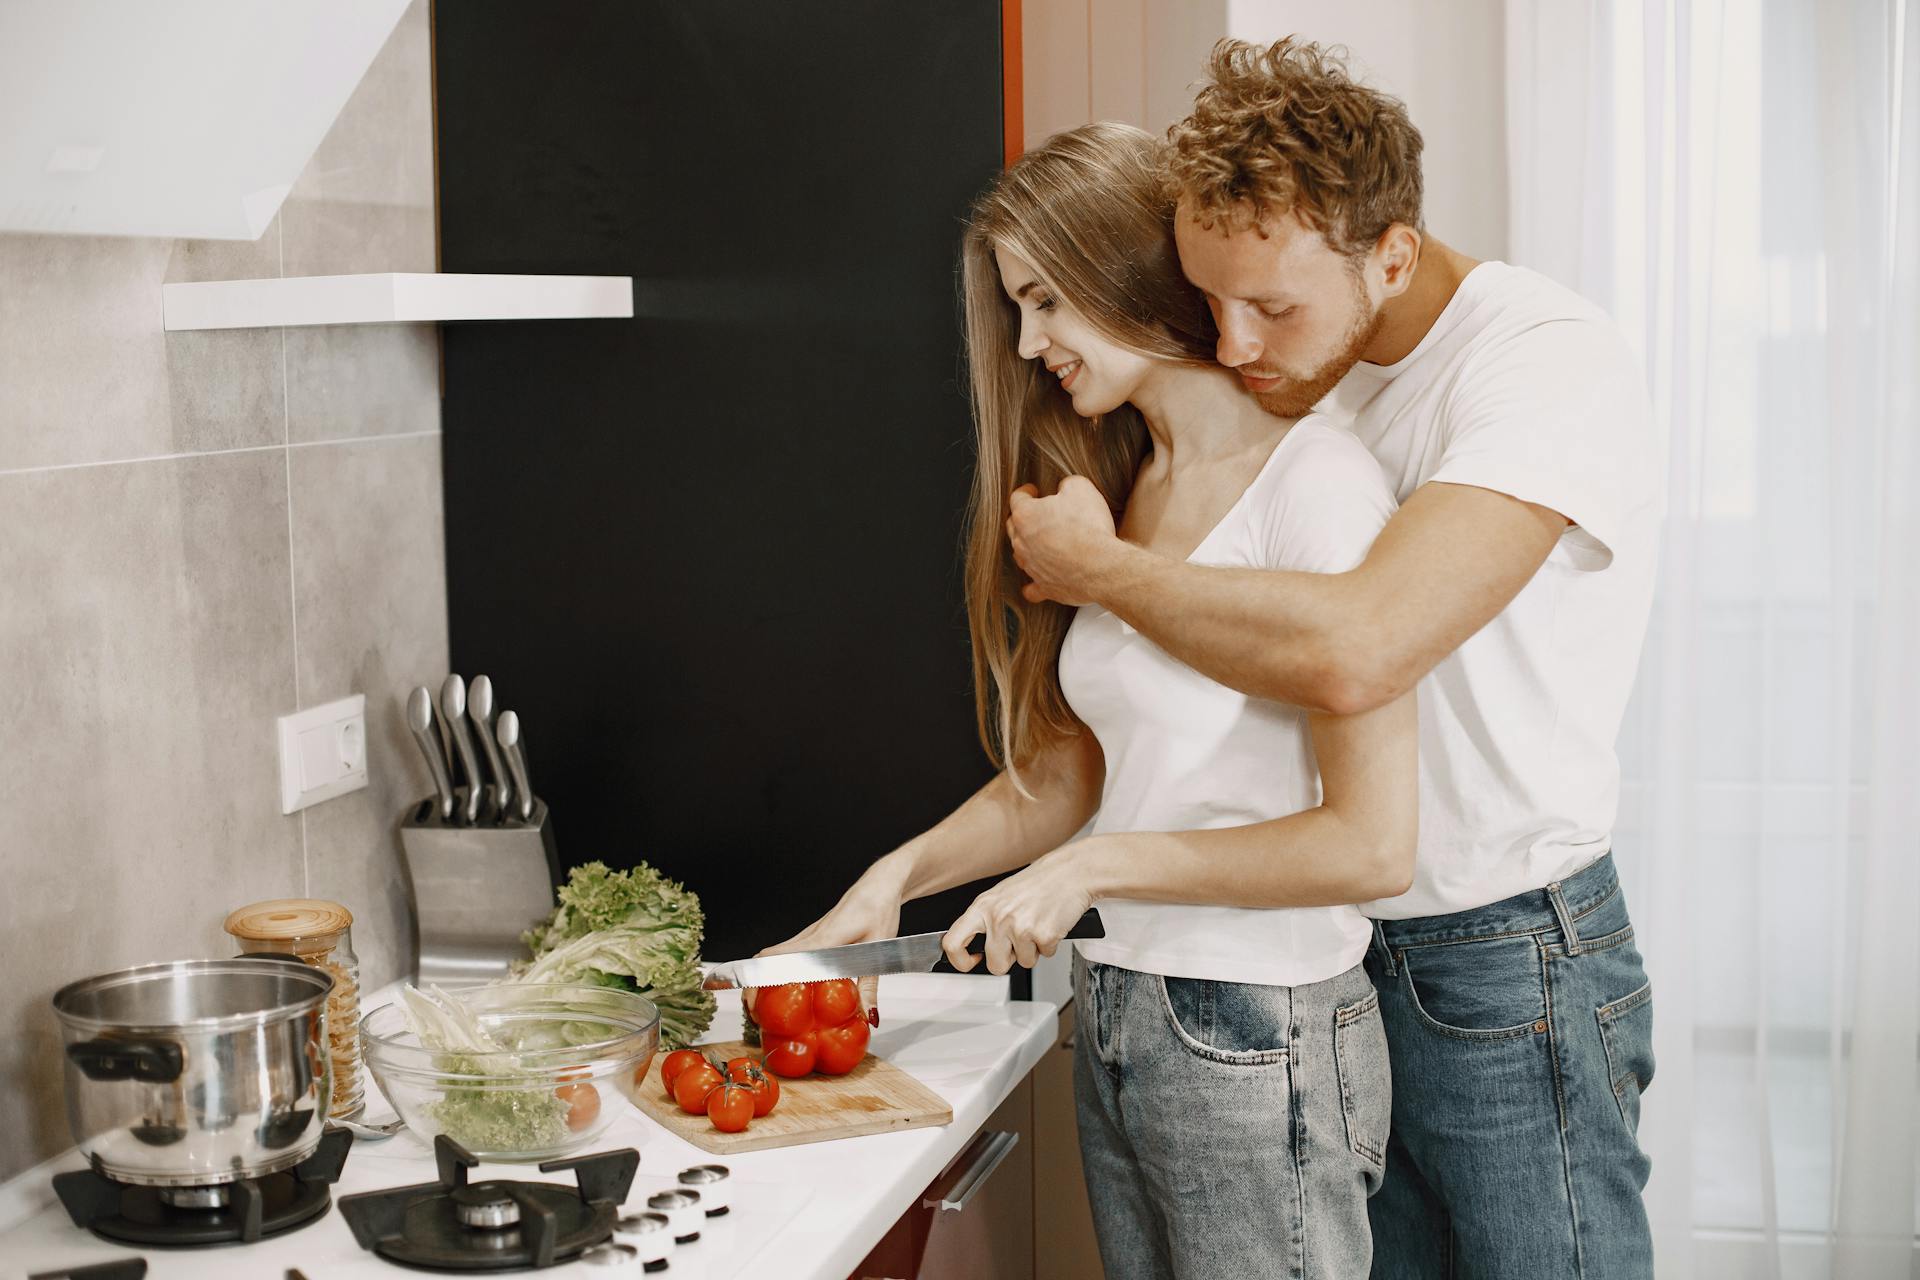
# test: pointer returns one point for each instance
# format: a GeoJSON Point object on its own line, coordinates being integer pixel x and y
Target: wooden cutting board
{"type": "Point", "coordinates": [874, 1097]}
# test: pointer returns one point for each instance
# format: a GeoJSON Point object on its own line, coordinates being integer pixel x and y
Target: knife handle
{"type": "Point", "coordinates": [1088, 926]}
{"type": "Point", "coordinates": [480, 712]}
{"type": "Point", "coordinates": [508, 731]}
{"type": "Point", "coordinates": [420, 719]}
{"type": "Point", "coordinates": [453, 705]}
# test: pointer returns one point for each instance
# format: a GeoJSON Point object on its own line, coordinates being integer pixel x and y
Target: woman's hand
{"type": "Point", "coordinates": [1026, 915]}
{"type": "Point", "coordinates": [867, 912]}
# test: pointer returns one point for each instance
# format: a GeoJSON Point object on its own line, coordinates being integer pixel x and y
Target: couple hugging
{"type": "Point", "coordinates": [1308, 566]}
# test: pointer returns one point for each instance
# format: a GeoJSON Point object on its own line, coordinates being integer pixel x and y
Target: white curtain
{"type": "Point", "coordinates": [1738, 182]}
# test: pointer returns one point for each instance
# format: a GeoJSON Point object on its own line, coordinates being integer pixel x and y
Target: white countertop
{"type": "Point", "coordinates": [806, 1211]}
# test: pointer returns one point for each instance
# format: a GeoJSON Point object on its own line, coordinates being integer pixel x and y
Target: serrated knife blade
{"type": "Point", "coordinates": [914, 953]}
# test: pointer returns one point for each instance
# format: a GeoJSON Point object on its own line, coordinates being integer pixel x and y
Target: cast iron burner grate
{"type": "Point", "coordinates": [497, 1225]}
{"type": "Point", "coordinates": [228, 1212]}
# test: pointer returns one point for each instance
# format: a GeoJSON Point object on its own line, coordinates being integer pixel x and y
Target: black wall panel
{"type": "Point", "coordinates": [711, 554]}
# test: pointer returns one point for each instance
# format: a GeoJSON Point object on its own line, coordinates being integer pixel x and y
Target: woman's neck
{"type": "Point", "coordinates": [1200, 414]}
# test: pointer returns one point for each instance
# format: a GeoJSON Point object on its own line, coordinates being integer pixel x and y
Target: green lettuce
{"type": "Point", "coordinates": [497, 1115]}
{"type": "Point", "coordinates": [481, 1104]}
{"type": "Point", "coordinates": [632, 930]}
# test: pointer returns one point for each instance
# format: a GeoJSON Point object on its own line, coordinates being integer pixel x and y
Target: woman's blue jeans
{"type": "Point", "coordinates": [1229, 1130]}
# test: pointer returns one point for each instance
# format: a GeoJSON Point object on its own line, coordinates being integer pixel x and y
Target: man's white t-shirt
{"type": "Point", "coordinates": [1528, 389]}
{"type": "Point", "coordinates": [1185, 753]}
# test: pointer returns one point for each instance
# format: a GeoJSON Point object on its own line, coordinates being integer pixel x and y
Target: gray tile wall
{"type": "Point", "coordinates": [200, 532]}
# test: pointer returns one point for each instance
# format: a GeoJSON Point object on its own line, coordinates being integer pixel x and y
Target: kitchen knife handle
{"type": "Point", "coordinates": [1088, 926]}
{"type": "Point", "coordinates": [420, 719]}
{"type": "Point", "coordinates": [453, 705]}
{"type": "Point", "coordinates": [516, 755]}
{"type": "Point", "coordinates": [480, 711]}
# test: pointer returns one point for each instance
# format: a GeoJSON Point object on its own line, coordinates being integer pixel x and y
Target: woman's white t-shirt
{"type": "Point", "coordinates": [1186, 753]}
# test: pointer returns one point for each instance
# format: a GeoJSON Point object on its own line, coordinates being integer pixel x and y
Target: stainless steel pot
{"type": "Point", "coordinates": [198, 1071]}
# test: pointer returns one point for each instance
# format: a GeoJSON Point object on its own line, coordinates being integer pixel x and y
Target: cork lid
{"type": "Point", "coordinates": [284, 919]}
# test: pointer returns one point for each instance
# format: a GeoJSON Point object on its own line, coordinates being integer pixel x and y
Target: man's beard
{"type": "Point", "coordinates": [1297, 396]}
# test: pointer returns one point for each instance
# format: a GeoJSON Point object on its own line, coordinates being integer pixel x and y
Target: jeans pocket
{"type": "Point", "coordinates": [1242, 1024]}
{"type": "Point", "coordinates": [1366, 1082]}
{"type": "Point", "coordinates": [1492, 989]}
{"type": "Point", "coordinates": [1626, 1032]}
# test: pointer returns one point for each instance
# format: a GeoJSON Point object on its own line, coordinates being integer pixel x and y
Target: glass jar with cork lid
{"type": "Point", "coordinates": [321, 934]}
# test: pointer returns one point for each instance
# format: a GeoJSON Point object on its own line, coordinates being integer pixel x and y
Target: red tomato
{"type": "Point", "coordinates": [765, 1087]}
{"type": "Point", "coordinates": [640, 1072]}
{"type": "Point", "coordinates": [839, 1049]}
{"type": "Point", "coordinates": [677, 1061]}
{"type": "Point", "coordinates": [835, 1001]}
{"type": "Point", "coordinates": [583, 1104]}
{"type": "Point", "coordinates": [785, 1011]}
{"type": "Point", "coordinates": [791, 1055]}
{"type": "Point", "coordinates": [730, 1107]}
{"type": "Point", "coordinates": [691, 1087]}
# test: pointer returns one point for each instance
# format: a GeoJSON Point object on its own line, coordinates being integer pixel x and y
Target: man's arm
{"type": "Point", "coordinates": [1442, 568]}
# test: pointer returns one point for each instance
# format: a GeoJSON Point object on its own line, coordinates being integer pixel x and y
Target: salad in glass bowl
{"type": "Point", "coordinates": [516, 1071]}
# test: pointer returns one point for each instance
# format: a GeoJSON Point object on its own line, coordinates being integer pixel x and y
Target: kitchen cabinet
{"type": "Point", "coordinates": [1026, 1218]}
{"type": "Point", "coordinates": [191, 119]}
{"type": "Point", "coordinates": [988, 1233]}
{"type": "Point", "coordinates": [1064, 1247]}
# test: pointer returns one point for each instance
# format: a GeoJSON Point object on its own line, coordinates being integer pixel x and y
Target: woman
{"type": "Point", "coordinates": [1230, 1069]}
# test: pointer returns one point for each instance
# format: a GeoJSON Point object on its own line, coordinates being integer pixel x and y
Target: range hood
{"type": "Point", "coordinates": [186, 119]}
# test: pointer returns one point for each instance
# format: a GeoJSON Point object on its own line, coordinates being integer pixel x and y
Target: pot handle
{"type": "Point", "coordinates": [155, 1061]}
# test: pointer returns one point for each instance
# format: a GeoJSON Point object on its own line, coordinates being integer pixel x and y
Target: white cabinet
{"type": "Point", "coordinates": [189, 119]}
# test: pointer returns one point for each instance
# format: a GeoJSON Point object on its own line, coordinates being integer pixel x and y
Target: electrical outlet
{"type": "Point", "coordinates": [323, 753]}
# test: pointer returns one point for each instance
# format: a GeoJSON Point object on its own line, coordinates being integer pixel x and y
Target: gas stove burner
{"type": "Point", "coordinates": [214, 1197]}
{"type": "Point", "coordinates": [219, 1213]}
{"type": "Point", "coordinates": [488, 1205]}
{"type": "Point", "coordinates": [497, 1225]}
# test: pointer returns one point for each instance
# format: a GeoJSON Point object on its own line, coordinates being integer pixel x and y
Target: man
{"type": "Point", "coordinates": [1511, 589]}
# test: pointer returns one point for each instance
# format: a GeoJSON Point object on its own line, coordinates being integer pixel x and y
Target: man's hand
{"type": "Point", "coordinates": [1023, 917]}
{"type": "Point", "coordinates": [1061, 542]}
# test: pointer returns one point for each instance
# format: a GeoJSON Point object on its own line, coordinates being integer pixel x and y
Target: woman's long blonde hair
{"type": "Point", "coordinates": [1089, 211]}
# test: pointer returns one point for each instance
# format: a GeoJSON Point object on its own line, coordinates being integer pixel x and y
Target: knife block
{"type": "Point", "coordinates": [474, 891]}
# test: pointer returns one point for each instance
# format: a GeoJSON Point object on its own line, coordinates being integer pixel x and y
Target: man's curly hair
{"type": "Point", "coordinates": [1284, 128]}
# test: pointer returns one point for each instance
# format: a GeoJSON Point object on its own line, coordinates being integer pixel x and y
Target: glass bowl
{"type": "Point", "coordinates": [575, 1053]}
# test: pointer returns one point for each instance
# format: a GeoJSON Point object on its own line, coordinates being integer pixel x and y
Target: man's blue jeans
{"type": "Point", "coordinates": [1521, 1038]}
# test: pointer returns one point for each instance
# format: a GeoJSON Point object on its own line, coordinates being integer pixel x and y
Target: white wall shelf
{"type": "Point", "coordinates": [393, 297]}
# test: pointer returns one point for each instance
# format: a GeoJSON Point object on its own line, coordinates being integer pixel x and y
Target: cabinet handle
{"type": "Point", "coordinates": [982, 1157]}
{"type": "Point", "coordinates": [1067, 1044]}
